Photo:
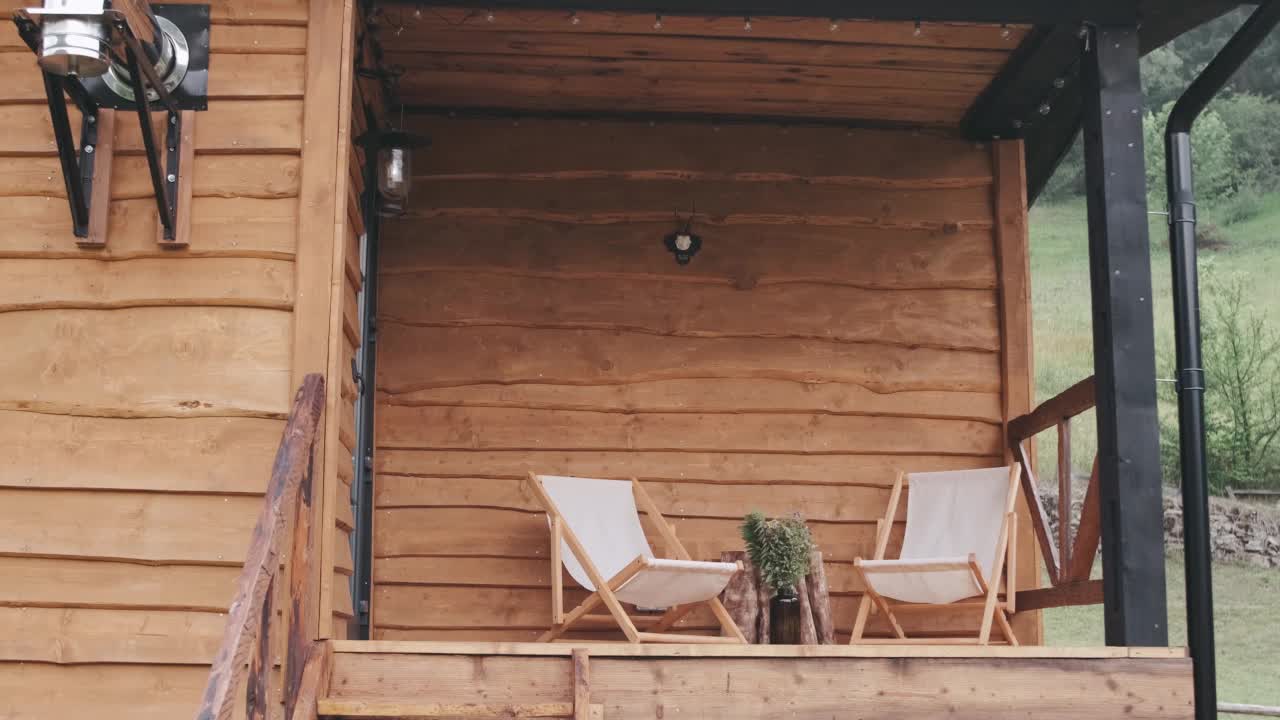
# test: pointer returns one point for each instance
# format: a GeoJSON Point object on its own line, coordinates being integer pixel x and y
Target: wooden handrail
{"type": "Point", "coordinates": [251, 615]}
{"type": "Point", "coordinates": [1063, 406]}
{"type": "Point", "coordinates": [1075, 562]}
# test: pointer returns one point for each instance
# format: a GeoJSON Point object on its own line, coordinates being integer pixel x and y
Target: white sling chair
{"type": "Point", "coordinates": [960, 526]}
{"type": "Point", "coordinates": [596, 532]}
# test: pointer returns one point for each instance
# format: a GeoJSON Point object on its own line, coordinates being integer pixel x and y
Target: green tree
{"type": "Point", "coordinates": [1249, 107]}
{"type": "Point", "coordinates": [1254, 124]}
{"type": "Point", "coordinates": [1211, 156]}
{"type": "Point", "coordinates": [1164, 76]}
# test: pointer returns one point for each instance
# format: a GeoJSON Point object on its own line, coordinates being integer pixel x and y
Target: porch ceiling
{"type": "Point", "coordinates": [862, 72]}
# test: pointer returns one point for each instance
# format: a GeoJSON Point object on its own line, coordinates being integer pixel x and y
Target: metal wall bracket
{"type": "Point", "coordinates": [86, 171]}
{"type": "Point", "coordinates": [193, 92]}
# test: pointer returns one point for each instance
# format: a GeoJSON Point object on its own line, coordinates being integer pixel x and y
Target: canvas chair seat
{"type": "Point", "coordinates": [604, 549]}
{"type": "Point", "coordinates": [937, 587]}
{"type": "Point", "coordinates": [950, 516]}
{"type": "Point", "coordinates": [666, 583]}
{"type": "Point", "coordinates": [957, 546]}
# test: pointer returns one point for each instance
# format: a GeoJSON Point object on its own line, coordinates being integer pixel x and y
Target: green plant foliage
{"type": "Point", "coordinates": [1237, 140]}
{"type": "Point", "coordinates": [1254, 124]}
{"type": "Point", "coordinates": [1211, 155]}
{"type": "Point", "coordinates": [779, 548]}
{"type": "Point", "coordinates": [1242, 393]}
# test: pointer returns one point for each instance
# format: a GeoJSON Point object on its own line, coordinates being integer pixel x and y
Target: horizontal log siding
{"type": "Point", "coordinates": [143, 389]}
{"type": "Point", "coordinates": [840, 323]}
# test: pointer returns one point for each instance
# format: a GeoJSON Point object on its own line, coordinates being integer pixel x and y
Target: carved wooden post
{"type": "Point", "coordinates": [820, 600]}
{"type": "Point", "coordinates": [1064, 493]}
{"type": "Point", "coordinates": [764, 599]}
{"type": "Point", "coordinates": [740, 595]}
{"type": "Point", "coordinates": [300, 595]}
{"type": "Point", "coordinates": [808, 633]}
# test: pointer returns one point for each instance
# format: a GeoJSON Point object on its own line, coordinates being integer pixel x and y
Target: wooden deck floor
{"type": "Point", "coordinates": [627, 650]}
{"type": "Point", "coordinates": [424, 679]}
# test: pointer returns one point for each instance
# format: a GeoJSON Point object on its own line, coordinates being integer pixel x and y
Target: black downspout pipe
{"type": "Point", "coordinates": [362, 552]}
{"type": "Point", "coordinates": [1186, 314]}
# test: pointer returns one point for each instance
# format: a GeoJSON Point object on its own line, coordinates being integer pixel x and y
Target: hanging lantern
{"type": "Point", "coordinates": [395, 170]}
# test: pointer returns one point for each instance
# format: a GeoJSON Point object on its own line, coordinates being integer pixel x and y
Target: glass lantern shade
{"type": "Point", "coordinates": [395, 174]}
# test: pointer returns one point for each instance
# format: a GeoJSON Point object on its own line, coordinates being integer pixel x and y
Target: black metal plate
{"type": "Point", "coordinates": [193, 93]}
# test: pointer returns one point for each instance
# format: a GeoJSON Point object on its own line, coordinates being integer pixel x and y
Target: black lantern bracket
{"type": "Point", "coordinates": [684, 243]}
{"type": "Point", "coordinates": [133, 34]}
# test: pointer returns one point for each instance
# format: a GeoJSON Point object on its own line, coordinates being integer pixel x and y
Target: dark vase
{"type": "Point", "coordinates": [784, 618]}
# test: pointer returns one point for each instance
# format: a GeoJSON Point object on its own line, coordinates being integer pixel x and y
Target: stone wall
{"type": "Point", "coordinates": [1242, 532]}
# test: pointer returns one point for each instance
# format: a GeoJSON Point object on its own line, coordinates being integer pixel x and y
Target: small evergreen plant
{"type": "Point", "coordinates": [779, 548]}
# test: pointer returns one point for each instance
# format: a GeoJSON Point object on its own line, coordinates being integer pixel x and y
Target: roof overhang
{"type": "Point", "coordinates": [1028, 12]}
{"type": "Point", "coordinates": [1034, 95]}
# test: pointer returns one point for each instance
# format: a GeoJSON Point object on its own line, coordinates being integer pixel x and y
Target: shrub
{"type": "Point", "coordinates": [1245, 204]}
{"type": "Point", "coordinates": [1211, 156]}
{"type": "Point", "coordinates": [1242, 394]}
{"type": "Point", "coordinates": [779, 548]}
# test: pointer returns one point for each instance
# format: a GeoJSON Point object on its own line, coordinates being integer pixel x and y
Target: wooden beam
{"type": "Point", "coordinates": [1066, 404]}
{"type": "Point", "coordinates": [581, 685]}
{"type": "Point", "coordinates": [345, 650]}
{"type": "Point", "coordinates": [319, 259]}
{"type": "Point", "coordinates": [315, 681]}
{"type": "Point", "coordinates": [100, 198]}
{"type": "Point", "coordinates": [302, 599]}
{"type": "Point", "coordinates": [1088, 532]}
{"type": "Point", "coordinates": [688, 639]}
{"type": "Point", "coordinates": [992, 11]}
{"type": "Point", "coordinates": [333, 707]}
{"type": "Point", "coordinates": [1247, 709]}
{"type": "Point", "coordinates": [1124, 342]}
{"type": "Point", "coordinates": [1064, 492]}
{"type": "Point", "coordinates": [1088, 592]}
{"type": "Point", "coordinates": [1013, 266]}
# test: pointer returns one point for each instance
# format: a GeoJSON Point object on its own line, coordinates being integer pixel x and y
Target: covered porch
{"type": "Point", "coordinates": [857, 305]}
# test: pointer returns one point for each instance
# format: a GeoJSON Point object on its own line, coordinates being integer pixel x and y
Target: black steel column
{"type": "Point", "coordinates": [1123, 341]}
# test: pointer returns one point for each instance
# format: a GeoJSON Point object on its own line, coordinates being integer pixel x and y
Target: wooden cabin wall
{"type": "Point", "coordinates": [143, 391]}
{"type": "Point", "coordinates": [843, 321]}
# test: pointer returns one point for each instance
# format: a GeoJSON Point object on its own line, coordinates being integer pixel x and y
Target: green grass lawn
{"type": "Point", "coordinates": [1246, 626]}
{"type": "Point", "coordinates": [1246, 599]}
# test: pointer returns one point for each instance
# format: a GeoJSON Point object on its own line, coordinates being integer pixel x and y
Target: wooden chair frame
{"type": "Point", "coordinates": [655, 628]}
{"type": "Point", "coordinates": [995, 609]}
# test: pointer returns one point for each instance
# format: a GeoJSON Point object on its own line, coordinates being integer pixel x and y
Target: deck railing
{"type": "Point", "coordinates": [283, 537]}
{"type": "Point", "coordinates": [1068, 562]}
